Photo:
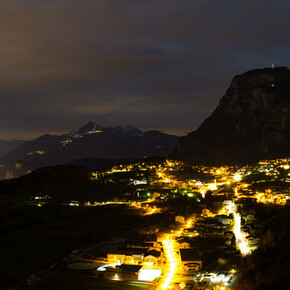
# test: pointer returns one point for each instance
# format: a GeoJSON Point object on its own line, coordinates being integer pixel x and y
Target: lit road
{"type": "Point", "coordinates": [171, 263]}
{"type": "Point", "coordinates": [240, 241]}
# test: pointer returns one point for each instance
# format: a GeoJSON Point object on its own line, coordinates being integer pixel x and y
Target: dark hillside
{"type": "Point", "coordinates": [268, 267]}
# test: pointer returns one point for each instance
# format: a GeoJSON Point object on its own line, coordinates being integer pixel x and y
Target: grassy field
{"type": "Point", "coordinates": [66, 281]}
{"type": "Point", "coordinates": [39, 237]}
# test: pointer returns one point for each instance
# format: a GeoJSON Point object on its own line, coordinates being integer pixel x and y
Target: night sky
{"type": "Point", "coordinates": [153, 64]}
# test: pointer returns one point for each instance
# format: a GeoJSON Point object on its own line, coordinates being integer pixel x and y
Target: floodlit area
{"type": "Point", "coordinates": [149, 274]}
{"type": "Point", "coordinates": [224, 278]}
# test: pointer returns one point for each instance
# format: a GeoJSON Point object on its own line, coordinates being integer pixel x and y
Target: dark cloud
{"type": "Point", "coordinates": [153, 64]}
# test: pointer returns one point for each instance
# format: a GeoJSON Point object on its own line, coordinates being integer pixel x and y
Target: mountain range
{"type": "Point", "coordinates": [90, 141]}
{"type": "Point", "coordinates": [250, 123]}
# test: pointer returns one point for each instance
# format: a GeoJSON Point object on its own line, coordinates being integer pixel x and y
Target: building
{"type": "Point", "coordinates": [250, 218]}
{"type": "Point", "coordinates": [206, 212]}
{"type": "Point", "coordinates": [191, 232]}
{"type": "Point", "coordinates": [116, 257]}
{"type": "Point", "coordinates": [180, 219]}
{"type": "Point", "coordinates": [252, 241]}
{"type": "Point", "coordinates": [183, 244]}
{"type": "Point", "coordinates": [134, 256]}
{"type": "Point", "coordinates": [190, 260]}
{"type": "Point", "coordinates": [225, 220]}
{"type": "Point", "coordinates": [123, 272]}
{"type": "Point", "coordinates": [138, 182]}
{"type": "Point", "coordinates": [127, 256]}
{"type": "Point", "coordinates": [228, 202]}
{"type": "Point", "coordinates": [152, 258]}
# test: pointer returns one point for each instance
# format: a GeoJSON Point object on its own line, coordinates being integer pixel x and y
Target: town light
{"type": "Point", "coordinates": [237, 177]}
{"type": "Point", "coordinates": [212, 186]}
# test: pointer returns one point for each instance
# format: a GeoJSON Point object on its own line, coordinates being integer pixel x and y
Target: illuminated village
{"type": "Point", "coordinates": [200, 222]}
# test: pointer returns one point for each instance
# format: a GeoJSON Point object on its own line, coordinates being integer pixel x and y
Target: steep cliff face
{"type": "Point", "coordinates": [251, 122]}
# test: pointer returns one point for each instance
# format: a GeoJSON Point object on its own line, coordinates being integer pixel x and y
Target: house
{"type": "Point", "coordinates": [252, 241]}
{"type": "Point", "coordinates": [180, 219]}
{"type": "Point", "coordinates": [250, 218]}
{"type": "Point", "coordinates": [247, 231]}
{"type": "Point", "coordinates": [228, 202]}
{"type": "Point", "coordinates": [228, 241]}
{"type": "Point", "coordinates": [123, 272]}
{"type": "Point", "coordinates": [199, 219]}
{"type": "Point", "coordinates": [209, 222]}
{"type": "Point", "coordinates": [190, 260]}
{"type": "Point", "coordinates": [116, 258]}
{"type": "Point", "coordinates": [183, 244]}
{"type": "Point", "coordinates": [152, 258]}
{"type": "Point", "coordinates": [206, 212]}
{"type": "Point", "coordinates": [228, 238]}
{"type": "Point", "coordinates": [225, 220]}
{"type": "Point", "coordinates": [228, 234]}
{"type": "Point", "coordinates": [190, 232]}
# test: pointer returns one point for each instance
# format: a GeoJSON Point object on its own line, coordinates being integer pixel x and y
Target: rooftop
{"type": "Point", "coordinates": [190, 255]}
{"type": "Point", "coordinates": [129, 268]}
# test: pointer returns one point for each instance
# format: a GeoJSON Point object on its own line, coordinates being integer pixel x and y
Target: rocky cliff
{"type": "Point", "coordinates": [251, 122]}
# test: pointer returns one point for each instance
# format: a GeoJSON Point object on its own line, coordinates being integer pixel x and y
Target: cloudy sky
{"type": "Point", "coordinates": [153, 64]}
